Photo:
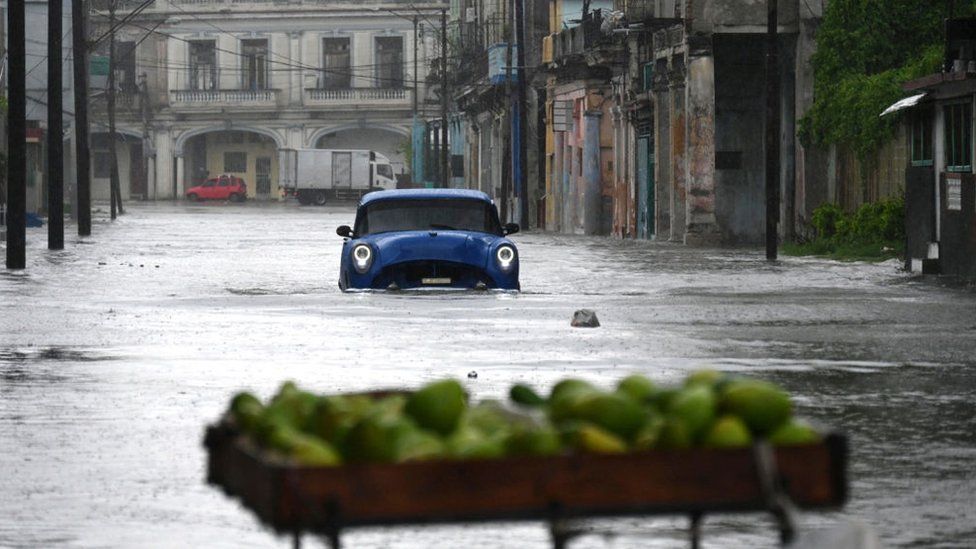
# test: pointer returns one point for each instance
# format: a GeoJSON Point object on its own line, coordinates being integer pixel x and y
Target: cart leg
{"type": "Point", "coordinates": [695, 529]}
{"type": "Point", "coordinates": [561, 533]}
{"type": "Point", "coordinates": [335, 542]}
{"type": "Point", "coordinates": [296, 540]}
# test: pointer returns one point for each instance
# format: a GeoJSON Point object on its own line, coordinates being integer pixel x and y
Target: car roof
{"type": "Point", "coordinates": [424, 194]}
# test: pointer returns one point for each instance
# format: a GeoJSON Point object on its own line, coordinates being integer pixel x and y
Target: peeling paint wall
{"type": "Point", "coordinates": [739, 137]}
{"type": "Point", "coordinates": [678, 125]}
{"type": "Point", "coordinates": [662, 166]}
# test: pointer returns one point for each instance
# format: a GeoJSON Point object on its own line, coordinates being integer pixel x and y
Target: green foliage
{"type": "Point", "coordinates": [866, 49]}
{"type": "Point", "coordinates": [406, 149]}
{"type": "Point", "coordinates": [875, 231]}
{"type": "Point", "coordinates": [825, 219]}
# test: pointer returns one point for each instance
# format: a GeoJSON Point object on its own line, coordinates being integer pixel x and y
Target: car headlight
{"type": "Point", "coordinates": [362, 258]}
{"type": "Point", "coordinates": [506, 257]}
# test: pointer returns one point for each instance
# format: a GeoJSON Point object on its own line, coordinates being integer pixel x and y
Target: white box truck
{"type": "Point", "coordinates": [315, 176]}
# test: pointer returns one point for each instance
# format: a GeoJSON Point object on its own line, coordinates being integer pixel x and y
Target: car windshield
{"type": "Point", "coordinates": [421, 215]}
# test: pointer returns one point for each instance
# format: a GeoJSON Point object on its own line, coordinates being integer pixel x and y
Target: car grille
{"type": "Point", "coordinates": [412, 274]}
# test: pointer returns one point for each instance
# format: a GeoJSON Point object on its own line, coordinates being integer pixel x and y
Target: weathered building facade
{"type": "Point", "coordinates": [210, 87]}
{"type": "Point", "coordinates": [37, 94]}
{"type": "Point", "coordinates": [940, 193]}
{"type": "Point", "coordinates": [486, 102]}
{"type": "Point", "coordinates": [579, 136]}
{"type": "Point", "coordinates": [681, 87]}
{"type": "Point", "coordinates": [709, 75]}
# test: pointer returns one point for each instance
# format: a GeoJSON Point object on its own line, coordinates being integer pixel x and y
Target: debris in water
{"type": "Point", "coordinates": [585, 318]}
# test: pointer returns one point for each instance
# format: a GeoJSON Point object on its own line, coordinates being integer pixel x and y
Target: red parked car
{"type": "Point", "coordinates": [223, 187]}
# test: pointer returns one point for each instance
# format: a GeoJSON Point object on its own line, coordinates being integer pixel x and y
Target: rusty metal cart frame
{"type": "Point", "coordinates": [297, 500]}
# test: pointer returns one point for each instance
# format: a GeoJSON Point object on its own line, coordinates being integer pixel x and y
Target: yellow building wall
{"type": "Point", "coordinates": [254, 149]}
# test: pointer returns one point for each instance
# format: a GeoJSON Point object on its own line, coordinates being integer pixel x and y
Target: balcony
{"type": "Point", "coordinates": [587, 43]}
{"type": "Point", "coordinates": [372, 97]}
{"type": "Point", "coordinates": [209, 99]}
{"type": "Point", "coordinates": [578, 40]}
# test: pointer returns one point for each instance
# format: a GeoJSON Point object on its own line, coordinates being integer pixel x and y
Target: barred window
{"type": "Point", "coordinates": [921, 139]}
{"type": "Point", "coordinates": [959, 137]}
{"type": "Point", "coordinates": [235, 162]}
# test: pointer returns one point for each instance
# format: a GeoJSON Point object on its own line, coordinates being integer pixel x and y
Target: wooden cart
{"type": "Point", "coordinates": [324, 500]}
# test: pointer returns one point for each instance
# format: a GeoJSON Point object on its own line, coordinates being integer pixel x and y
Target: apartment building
{"type": "Point", "coordinates": [206, 87]}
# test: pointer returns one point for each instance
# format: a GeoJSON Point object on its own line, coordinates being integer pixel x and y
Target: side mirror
{"type": "Point", "coordinates": [345, 231]}
{"type": "Point", "coordinates": [510, 228]}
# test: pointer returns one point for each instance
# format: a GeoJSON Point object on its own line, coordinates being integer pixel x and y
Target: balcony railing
{"type": "Point", "coordinates": [223, 98]}
{"type": "Point", "coordinates": [580, 39]}
{"type": "Point", "coordinates": [374, 96]}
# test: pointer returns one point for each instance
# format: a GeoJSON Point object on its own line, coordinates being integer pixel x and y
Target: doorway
{"type": "Point", "coordinates": [645, 182]}
{"type": "Point", "coordinates": [262, 170]}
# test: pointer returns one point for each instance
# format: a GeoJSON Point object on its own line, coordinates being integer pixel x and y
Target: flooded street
{"type": "Point", "coordinates": [116, 352]}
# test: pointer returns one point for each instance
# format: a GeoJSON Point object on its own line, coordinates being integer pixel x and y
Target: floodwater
{"type": "Point", "coordinates": [116, 352]}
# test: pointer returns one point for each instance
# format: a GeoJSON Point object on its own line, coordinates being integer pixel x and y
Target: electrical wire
{"type": "Point", "coordinates": [119, 24]}
{"type": "Point", "coordinates": [347, 72]}
{"type": "Point", "coordinates": [288, 62]}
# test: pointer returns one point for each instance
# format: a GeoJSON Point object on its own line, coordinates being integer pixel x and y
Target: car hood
{"type": "Point", "coordinates": [434, 245]}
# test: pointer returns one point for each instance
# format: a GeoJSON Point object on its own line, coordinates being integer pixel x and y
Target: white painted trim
{"type": "Point", "coordinates": [322, 132]}
{"type": "Point", "coordinates": [184, 136]}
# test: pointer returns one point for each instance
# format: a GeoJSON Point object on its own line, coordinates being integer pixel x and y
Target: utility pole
{"type": "Point", "coordinates": [415, 172]}
{"type": "Point", "coordinates": [16, 140]}
{"type": "Point", "coordinates": [445, 172]}
{"type": "Point", "coordinates": [415, 89]}
{"type": "Point", "coordinates": [508, 170]}
{"type": "Point", "coordinates": [521, 121]}
{"type": "Point", "coordinates": [115, 187]}
{"type": "Point", "coordinates": [772, 130]}
{"type": "Point", "coordinates": [55, 130]}
{"type": "Point", "coordinates": [79, 49]}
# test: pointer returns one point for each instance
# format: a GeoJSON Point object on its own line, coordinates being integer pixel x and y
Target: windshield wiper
{"type": "Point", "coordinates": [442, 227]}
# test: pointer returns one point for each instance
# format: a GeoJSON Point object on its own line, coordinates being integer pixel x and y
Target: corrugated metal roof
{"type": "Point", "coordinates": [904, 104]}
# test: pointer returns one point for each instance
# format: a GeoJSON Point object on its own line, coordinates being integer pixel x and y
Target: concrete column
{"type": "Point", "coordinates": [701, 229]}
{"type": "Point", "coordinates": [150, 167]}
{"type": "Point", "coordinates": [662, 164]}
{"type": "Point", "coordinates": [592, 200]}
{"type": "Point", "coordinates": [180, 176]}
{"type": "Point", "coordinates": [556, 196]}
{"type": "Point", "coordinates": [678, 141]}
{"type": "Point", "coordinates": [164, 165]}
{"type": "Point", "coordinates": [572, 179]}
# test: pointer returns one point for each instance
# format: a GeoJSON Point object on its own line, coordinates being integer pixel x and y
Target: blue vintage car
{"type": "Point", "coordinates": [417, 238]}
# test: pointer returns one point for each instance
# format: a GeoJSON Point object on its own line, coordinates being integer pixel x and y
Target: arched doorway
{"type": "Point", "coordinates": [392, 143]}
{"type": "Point", "coordinates": [250, 155]}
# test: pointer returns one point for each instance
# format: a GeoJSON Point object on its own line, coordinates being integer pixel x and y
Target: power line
{"type": "Point", "coordinates": [139, 9]}
{"type": "Point", "coordinates": [287, 60]}
{"type": "Point", "coordinates": [300, 66]}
